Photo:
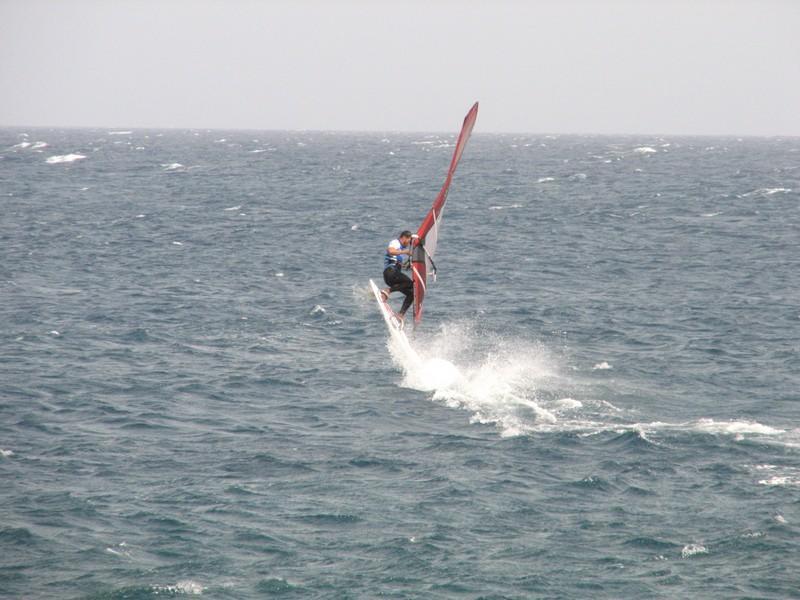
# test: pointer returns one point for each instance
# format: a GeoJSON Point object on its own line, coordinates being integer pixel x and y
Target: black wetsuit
{"type": "Point", "coordinates": [399, 282]}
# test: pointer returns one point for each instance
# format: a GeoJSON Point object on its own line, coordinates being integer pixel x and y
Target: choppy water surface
{"type": "Point", "coordinates": [197, 394]}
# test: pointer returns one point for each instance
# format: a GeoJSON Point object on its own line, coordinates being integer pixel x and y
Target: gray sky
{"type": "Point", "coordinates": [605, 66]}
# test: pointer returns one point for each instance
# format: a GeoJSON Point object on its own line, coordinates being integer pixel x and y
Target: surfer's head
{"type": "Point", "coordinates": [405, 237]}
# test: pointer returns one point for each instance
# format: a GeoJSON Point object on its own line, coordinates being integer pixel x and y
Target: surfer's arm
{"type": "Point", "coordinates": [398, 251]}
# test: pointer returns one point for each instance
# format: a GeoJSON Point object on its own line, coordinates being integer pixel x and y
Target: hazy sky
{"type": "Point", "coordinates": [603, 66]}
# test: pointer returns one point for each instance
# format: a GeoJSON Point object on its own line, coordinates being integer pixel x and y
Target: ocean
{"type": "Point", "coordinates": [198, 395]}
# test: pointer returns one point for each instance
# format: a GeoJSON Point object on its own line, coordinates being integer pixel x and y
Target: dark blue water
{"type": "Point", "coordinates": [197, 395]}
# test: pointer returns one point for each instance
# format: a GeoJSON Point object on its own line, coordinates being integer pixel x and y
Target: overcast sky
{"type": "Point", "coordinates": [603, 66]}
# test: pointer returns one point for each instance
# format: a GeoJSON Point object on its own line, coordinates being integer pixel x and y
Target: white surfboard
{"type": "Point", "coordinates": [393, 322]}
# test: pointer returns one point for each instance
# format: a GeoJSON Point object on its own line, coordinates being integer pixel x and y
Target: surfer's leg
{"type": "Point", "coordinates": [406, 286]}
{"type": "Point", "coordinates": [396, 280]}
{"type": "Point", "coordinates": [406, 303]}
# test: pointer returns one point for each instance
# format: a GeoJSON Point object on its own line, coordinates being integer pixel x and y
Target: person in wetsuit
{"type": "Point", "coordinates": [398, 257]}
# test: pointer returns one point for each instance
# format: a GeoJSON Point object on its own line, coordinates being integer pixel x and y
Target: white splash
{"type": "Point", "coordinates": [570, 403]}
{"type": "Point", "coordinates": [496, 383]}
{"type": "Point", "coordinates": [6, 453]}
{"type": "Point", "coordinates": [519, 387]}
{"type": "Point", "coordinates": [545, 179]}
{"type": "Point", "coordinates": [645, 150]}
{"type": "Point", "coordinates": [602, 366]}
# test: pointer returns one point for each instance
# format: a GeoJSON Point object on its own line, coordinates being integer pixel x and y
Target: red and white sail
{"type": "Point", "coordinates": [422, 258]}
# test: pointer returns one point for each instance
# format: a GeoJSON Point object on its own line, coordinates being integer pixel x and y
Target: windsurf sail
{"type": "Point", "coordinates": [424, 250]}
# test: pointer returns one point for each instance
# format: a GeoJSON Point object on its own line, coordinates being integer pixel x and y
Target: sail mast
{"type": "Point", "coordinates": [428, 233]}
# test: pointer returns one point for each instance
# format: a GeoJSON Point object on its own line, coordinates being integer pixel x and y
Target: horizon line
{"type": "Point", "coordinates": [404, 131]}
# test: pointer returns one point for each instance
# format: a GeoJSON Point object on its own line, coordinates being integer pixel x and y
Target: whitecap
{"type": "Point", "coordinates": [182, 587]}
{"type": "Point", "coordinates": [64, 158]}
{"type": "Point", "coordinates": [353, 227]}
{"type": "Point", "coordinates": [39, 145]}
{"type": "Point", "coordinates": [781, 480]}
{"type": "Point", "coordinates": [54, 332]}
{"type": "Point", "coordinates": [173, 166]}
{"type": "Point", "coordinates": [735, 427]}
{"type": "Point", "coordinates": [692, 550]}
{"type": "Point", "coordinates": [120, 132]}
{"type": "Point", "coordinates": [505, 207]}
{"type": "Point", "coordinates": [318, 310]}
{"type": "Point", "coordinates": [601, 366]}
{"type": "Point", "coordinates": [233, 208]}
{"type": "Point", "coordinates": [545, 179]}
{"type": "Point", "coordinates": [645, 150]}
{"type": "Point", "coordinates": [120, 550]}
{"type": "Point", "coordinates": [22, 145]}
{"type": "Point", "coordinates": [767, 192]}
{"type": "Point", "coordinates": [6, 453]}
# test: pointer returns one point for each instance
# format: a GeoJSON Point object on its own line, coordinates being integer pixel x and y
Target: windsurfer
{"type": "Point", "coordinates": [398, 257]}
